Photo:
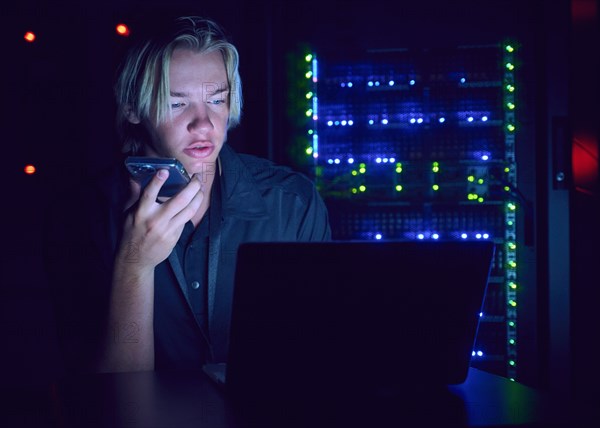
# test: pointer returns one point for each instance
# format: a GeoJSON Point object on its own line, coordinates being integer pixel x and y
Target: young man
{"type": "Point", "coordinates": [162, 299]}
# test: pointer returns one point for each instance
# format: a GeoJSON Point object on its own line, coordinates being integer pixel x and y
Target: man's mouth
{"type": "Point", "coordinates": [199, 151]}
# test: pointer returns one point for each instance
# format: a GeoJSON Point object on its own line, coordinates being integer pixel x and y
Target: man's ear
{"type": "Point", "coordinates": [130, 115]}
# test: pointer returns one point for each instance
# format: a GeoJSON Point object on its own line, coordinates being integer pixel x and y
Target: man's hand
{"type": "Point", "coordinates": [152, 228]}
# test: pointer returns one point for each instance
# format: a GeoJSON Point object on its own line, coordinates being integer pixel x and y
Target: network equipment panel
{"type": "Point", "coordinates": [420, 144]}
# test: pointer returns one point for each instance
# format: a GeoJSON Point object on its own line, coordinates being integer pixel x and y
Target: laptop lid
{"type": "Point", "coordinates": [344, 316]}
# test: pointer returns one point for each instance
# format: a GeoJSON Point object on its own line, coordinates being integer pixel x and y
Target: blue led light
{"type": "Point", "coordinates": [420, 120]}
{"type": "Point", "coordinates": [442, 119]}
{"type": "Point", "coordinates": [485, 157]}
{"type": "Point", "coordinates": [344, 123]}
{"type": "Point", "coordinates": [350, 122]}
{"type": "Point", "coordinates": [420, 236]}
{"type": "Point", "coordinates": [330, 123]}
{"type": "Point", "coordinates": [470, 119]}
{"type": "Point", "coordinates": [463, 80]}
{"type": "Point", "coordinates": [392, 160]}
{"type": "Point", "coordinates": [343, 85]}
{"type": "Point", "coordinates": [350, 160]}
{"type": "Point", "coordinates": [484, 119]}
{"type": "Point", "coordinates": [479, 354]}
{"type": "Point", "coordinates": [378, 236]}
{"type": "Point", "coordinates": [486, 236]}
{"type": "Point", "coordinates": [463, 235]}
{"type": "Point", "coordinates": [337, 161]}
{"type": "Point", "coordinates": [385, 160]}
{"type": "Point", "coordinates": [480, 314]}
{"type": "Point", "coordinates": [411, 82]}
{"type": "Point", "coordinates": [384, 121]}
{"type": "Point", "coordinates": [478, 236]}
{"type": "Point", "coordinates": [377, 83]}
{"type": "Point", "coordinates": [369, 83]}
{"type": "Point", "coordinates": [350, 84]}
{"type": "Point", "coordinates": [371, 121]}
{"type": "Point", "coordinates": [435, 236]}
{"type": "Point", "coordinates": [391, 83]}
{"type": "Point", "coordinates": [378, 160]}
{"type": "Point", "coordinates": [413, 120]}
{"type": "Point", "coordinates": [330, 161]}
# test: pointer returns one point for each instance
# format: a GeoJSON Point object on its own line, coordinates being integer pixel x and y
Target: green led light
{"type": "Point", "coordinates": [511, 206]}
{"type": "Point", "coordinates": [398, 187]}
{"type": "Point", "coordinates": [472, 196]}
{"type": "Point", "coordinates": [309, 95]}
{"type": "Point", "coordinates": [471, 178]}
{"type": "Point", "coordinates": [480, 199]}
{"type": "Point", "coordinates": [510, 127]}
{"type": "Point", "coordinates": [362, 170]}
{"type": "Point", "coordinates": [512, 264]}
{"type": "Point", "coordinates": [512, 303]}
{"type": "Point", "coordinates": [509, 48]}
{"type": "Point", "coordinates": [510, 106]}
{"type": "Point", "coordinates": [435, 187]}
{"type": "Point", "coordinates": [512, 362]}
{"type": "Point", "coordinates": [507, 169]}
{"type": "Point", "coordinates": [354, 190]}
{"type": "Point", "coordinates": [512, 324]}
{"type": "Point", "coordinates": [512, 285]}
{"type": "Point", "coordinates": [512, 341]}
{"type": "Point", "coordinates": [510, 222]}
{"type": "Point", "coordinates": [354, 172]}
{"type": "Point", "coordinates": [309, 113]}
{"type": "Point", "coordinates": [510, 66]}
{"type": "Point", "coordinates": [398, 169]}
{"type": "Point", "coordinates": [480, 181]}
{"type": "Point", "coordinates": [512, 246]}
{"type": "Point", "coordinates": [435, 167]}
{"type": "Point", "coordinates": [510, 88]}
{"type": "Point", "coordinates": [362, 188]}
{"type": "Point", "coordinates": [310, 132]}
{"type": "Point", "coordinates": [309, 150]}
{"type": "Point", "coordinates": [308, 74]}
{"type": "Point", "coordinates": [308, 58]}
{"type": "Point", "coordinates": [506, 188]}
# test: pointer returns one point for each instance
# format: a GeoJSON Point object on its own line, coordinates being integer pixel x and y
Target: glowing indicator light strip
{"type": "Point", "coordinates": [510, 215]}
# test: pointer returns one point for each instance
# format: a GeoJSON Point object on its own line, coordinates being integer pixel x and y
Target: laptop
{"type": "Point", "coordinates": [348, 317]}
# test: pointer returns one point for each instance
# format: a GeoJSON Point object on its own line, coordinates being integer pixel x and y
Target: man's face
{"type": "Point", "coordinates": [197, 129]}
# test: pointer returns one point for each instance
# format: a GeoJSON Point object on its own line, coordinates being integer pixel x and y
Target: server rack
{"type": "Point", "coordinates": [419, 143]}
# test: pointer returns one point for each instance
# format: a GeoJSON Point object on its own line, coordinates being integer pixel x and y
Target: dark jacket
{"type": "Point", "coordinates": [259, 201]}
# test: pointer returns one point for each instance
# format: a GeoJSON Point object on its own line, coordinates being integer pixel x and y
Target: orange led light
{"type": "Point", "coordinates": [122, 30]}
{"type": "Point", "coordinates": [29, 169]}
{"type": "Point", "coordinates": [29, 36]}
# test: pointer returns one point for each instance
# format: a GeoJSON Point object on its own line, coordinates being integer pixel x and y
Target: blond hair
{"type": "Point", "coordinates": [142, 87]}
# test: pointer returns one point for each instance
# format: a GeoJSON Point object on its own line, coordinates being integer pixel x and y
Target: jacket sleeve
{"type": "Point", "coordinates": [314, 223]}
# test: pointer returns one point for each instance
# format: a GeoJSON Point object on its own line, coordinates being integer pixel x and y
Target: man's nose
{"type": "Point", "coordinates": [199, 119]}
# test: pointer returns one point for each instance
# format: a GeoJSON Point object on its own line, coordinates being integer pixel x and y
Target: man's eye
{"type": "Point", "coordinates": [216, 102]}
{"type": "Point", "coordinates": [177, 105]}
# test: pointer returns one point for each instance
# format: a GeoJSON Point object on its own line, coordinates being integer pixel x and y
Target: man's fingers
{"type": "Point", "coordinates": [187, 212]}
{"type": "Point", "coordinates": [150, 193]}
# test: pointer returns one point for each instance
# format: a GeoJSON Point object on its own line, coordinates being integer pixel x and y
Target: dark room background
{"type": "Point", "coordinates": [58, 115]}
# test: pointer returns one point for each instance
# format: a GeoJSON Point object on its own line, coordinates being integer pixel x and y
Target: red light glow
{"type": "Point", "coordinates": [585, 163]}
{"type": "Point", "coordinates": [29, 36]}
{"type": "Point", "coordinates": [29, 169]}
{"type": "Point", "coordinates": [122, 30]}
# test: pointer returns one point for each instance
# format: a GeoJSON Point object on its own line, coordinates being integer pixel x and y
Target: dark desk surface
{"type": "Point", "coordinates": [190, 399]}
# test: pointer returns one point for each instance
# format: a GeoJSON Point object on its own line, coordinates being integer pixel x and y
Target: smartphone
{"type": "Point", "coordinates": [142, 169]}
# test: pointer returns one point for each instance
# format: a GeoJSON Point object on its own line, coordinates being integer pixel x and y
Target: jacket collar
{"type": "Point", "coordinates": [240, 192]}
